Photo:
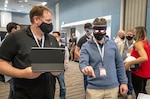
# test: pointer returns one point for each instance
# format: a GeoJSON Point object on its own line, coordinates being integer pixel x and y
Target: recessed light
{"type": "Point", "coordinates": [5, 5]}
{"type": "Point", "coordinates": [20, 1]}
{"type": "Point", "coordinates": [25, 0]}
{"type": "Point", "coordinates": [6, 1]}
{"type": "Point", "coordinates": [44, 3]}
{"type": "Point", "coordinates": [22, 6]}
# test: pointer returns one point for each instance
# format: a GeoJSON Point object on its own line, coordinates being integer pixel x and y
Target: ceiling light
{"type": "Point", "coordinates": [20, 1]}
{"type": "Point", "coordinates": [44, 3]}
{"type": "Point", "coordinates": [25, 0]}
{"type": "Point", "coordinates": [6, 1]}
{"type": "Point", "coordinates": [5, 5]}
{"type": "Point", "coordinates": [22, 6]}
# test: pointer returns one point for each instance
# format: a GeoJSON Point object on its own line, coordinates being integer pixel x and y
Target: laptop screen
{"type": "Point", "coordinates": [47, 59]}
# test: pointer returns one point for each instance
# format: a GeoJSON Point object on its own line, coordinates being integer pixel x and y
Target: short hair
{"type": "Point", "coordinates": [10, 26]}
{"type": "Point", "coordinates": [56, 32]}
{"type": "Point", "coordinates": [38, 10]}
{"type": "Point", "coordinates": [120, 32]}
{"type": "Point", "coordinates": [88, 25]}
{"type": "Point", "coordinates": [130, 30]}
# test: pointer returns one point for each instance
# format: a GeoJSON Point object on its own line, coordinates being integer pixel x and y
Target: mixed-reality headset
{"type": "Point", "coordinates": [99, 28]}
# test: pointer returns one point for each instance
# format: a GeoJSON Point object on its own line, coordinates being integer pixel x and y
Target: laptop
{"type": "Point", "coordinates": [47, 59]}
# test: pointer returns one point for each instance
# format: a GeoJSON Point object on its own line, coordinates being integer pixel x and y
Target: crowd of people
{"type": "Point", "coordinates": [94, 52]}
{"type": "Point", "coordinates": [102, 79]}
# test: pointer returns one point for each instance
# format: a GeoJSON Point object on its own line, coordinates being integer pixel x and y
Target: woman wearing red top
{"type": "Point", "coordinates": [141, 52]}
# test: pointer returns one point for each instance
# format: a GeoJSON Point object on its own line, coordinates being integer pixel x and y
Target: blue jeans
{"type": "Point", "coordinates": [130, 87]}
{"type": "Point", "coordinates": [61, 82]}
{"type": "Point", "coordinates": [11, 89]}
{"type": "Point", "coordinates": [85, 82]}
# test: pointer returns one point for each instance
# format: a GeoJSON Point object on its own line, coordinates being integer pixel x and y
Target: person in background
{"type": "Point", "coordinates": [101, 61]}
{"type": "Point", "coordinates": [60, 77]}
{"type": "Point", "coordinates": [12, 27]}
{"type": "Point", "coordinates": [141, 52]}
{"type": "Point", "coordinates": [73, 41]}
{"type": "Point", "coordinates": [120, 37]}
{"type": "Point", "coordinates": [88, 34]}
{"type": "Point", "coordinates": [16, 48]}
{"type": "Point", "coordinates": [2, 78]}
{"type": "Point", "coordinates": [125, 49]}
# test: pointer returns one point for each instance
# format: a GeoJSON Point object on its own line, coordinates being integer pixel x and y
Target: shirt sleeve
{"type": "Point", "coordinates": [8, 48]}
{"type": "Point", "coordinates": [79, 44]}
{"type": "Point", "coordinates": [84, 57]}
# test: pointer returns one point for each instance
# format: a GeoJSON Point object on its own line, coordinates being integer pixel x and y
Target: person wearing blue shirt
{"type": "Point", "coordinates": [101, 61]}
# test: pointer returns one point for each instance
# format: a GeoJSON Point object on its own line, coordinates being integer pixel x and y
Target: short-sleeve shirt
{"type": "Point", "coordinates": [74, 40]}
{"type": "Point", "coordinates": [82, 40]}
{"type": "Point", "coordinates": [16, 48]}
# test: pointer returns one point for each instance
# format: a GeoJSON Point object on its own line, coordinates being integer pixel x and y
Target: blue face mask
{"type": "Point", "coordinates": [90, 31]}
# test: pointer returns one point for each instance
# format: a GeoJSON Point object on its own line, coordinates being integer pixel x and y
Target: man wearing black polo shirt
{"type": "Point", "coordinates": [16, 49]}
{"type": "Point", "coordinates": [88, 31]}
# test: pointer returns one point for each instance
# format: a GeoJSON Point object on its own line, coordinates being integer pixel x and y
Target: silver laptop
{"type": "Point", "coordinates": [47, 59]}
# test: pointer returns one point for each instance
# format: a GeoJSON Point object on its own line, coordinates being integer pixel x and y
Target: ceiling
{"type": "Point", "coordinates": [21, 6]}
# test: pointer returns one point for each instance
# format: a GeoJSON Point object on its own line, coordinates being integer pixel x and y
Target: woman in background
{"type": "Point", "coordinates": [141, 51]}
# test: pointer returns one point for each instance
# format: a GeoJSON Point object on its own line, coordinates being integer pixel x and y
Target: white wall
{"type": "Point", "coordinates": [80, 26]}
{"type": "Point", "coordinates": [56, 27]}
{"type": "Point", "coordinates": [79, 31]}
{"type": "Point", "coordinates": [5, 17]}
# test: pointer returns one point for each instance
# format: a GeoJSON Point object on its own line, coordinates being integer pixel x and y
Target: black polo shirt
{"type": "Point", "coordinates": [82, 40]}
{"type": "Point", "coordinates": [16, 48]}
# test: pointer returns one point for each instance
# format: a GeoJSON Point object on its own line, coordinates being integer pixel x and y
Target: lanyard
{"type": "Point", "coordinates": [101, 52]}
{"type": "Point", "coordinates": [36, 40]}
{"type": "Point", "coordinates": [130, 45]}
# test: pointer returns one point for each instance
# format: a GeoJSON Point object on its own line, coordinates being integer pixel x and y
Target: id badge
{"type": "Point", "coordinates": [128, 54]}
{"type": "Point", "coordinates": [102, 72]}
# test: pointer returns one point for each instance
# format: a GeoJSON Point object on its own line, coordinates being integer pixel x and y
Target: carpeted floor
{"type": "Point", "coordinates": [74, 84]}
{"type": "Point", "coordinates": [73, 79]}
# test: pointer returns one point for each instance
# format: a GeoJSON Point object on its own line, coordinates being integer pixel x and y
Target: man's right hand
{"type": "Point", "coordinates": [28, 74]}
{"type": "Point", "coordinates": [88, 70]}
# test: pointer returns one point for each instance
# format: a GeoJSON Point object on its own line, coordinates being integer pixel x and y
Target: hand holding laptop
{"type": "Point", "coordinates": [27, 73]}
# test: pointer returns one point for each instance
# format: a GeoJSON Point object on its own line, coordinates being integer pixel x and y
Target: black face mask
{"type": "Point", "coordinates": [129, 37]}
{"type": "Point", "coordinates": [98, 36]}
{"type": "Point", "coordinates": [123, 37]}
{"type": "Point", "coordinates": [46, 28]}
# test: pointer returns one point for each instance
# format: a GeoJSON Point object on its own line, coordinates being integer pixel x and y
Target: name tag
{"type": "Point", "coordinates": [102, 72]}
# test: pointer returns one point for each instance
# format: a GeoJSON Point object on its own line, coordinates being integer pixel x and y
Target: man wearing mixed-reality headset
{"type": "Point", "coordinates": [100, 60]}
